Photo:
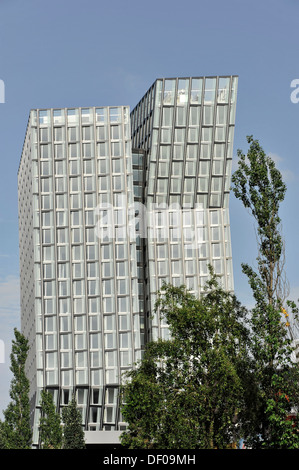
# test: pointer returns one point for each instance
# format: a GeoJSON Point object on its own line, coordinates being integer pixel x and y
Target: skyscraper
{"type": "Point", "coordinates": [185, 127]}
{"type": "Point", "coordinates": [109, 208]}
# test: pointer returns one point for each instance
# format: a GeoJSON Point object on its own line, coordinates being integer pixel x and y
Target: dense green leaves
{"type": "Point", "coordinates": [223, 375]}
{"type": "Point", "coordinates": [188, 391]}
{"type": "Point", "coordinates": [50, 429]}
{"type": "Point", "coordinates": [258, 184]}
{"type": "Point", "coordinates": [73, 434]}
{"type": "Point", "coordinates": [15, 431]}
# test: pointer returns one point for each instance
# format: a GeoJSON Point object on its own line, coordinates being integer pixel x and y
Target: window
{"type": "Point", "coordinates": [91, 252]}
{"type": "Point", "coordinates": [47, 219]}
{"type": "Point", "coordinates": [86, 133]}
{"type": "Point", "coordinates": [46, 185]}
{"type": "Point", "coordinates": [61, 201]}
{"type": "Point", "coordinates": [60, 168]}
{"type": "Point", "coordinates": [101, 133]}
{"type": "Point", "coordinates": [89, 183]}
{"type": "Point", "coordinates": [44, 134]}
{"type": "Point", "coordinates": [181, 116]}
{"type": "Point", "coordinates": [74, 167]}
{"type": "Point", "coordinates": [72, 134]}
{"type": "Point", "coordinates": [92, 270]}
{"type": "Point", "coordinates": [62, 253]}
{"type": "Point", "coordinates": [58, 136]}
{"type": "Point", "coordinates": [92, 287]}
{"type": "Point", "coordinates": [116, 149]}
{"type": "Point", "coordinates": [88, 167]}
{"type": "Point", "coordinates": [76, 218]}
{"type": "Point", "coordinates": [63, 288]}
{"type": "Point", "coordinates": [47, 236]}
{"type": "Point", "coordinates": [90, 235]}
{"type": "Point", "coordinates": [102, 149]}
{"type": "Point", "coordinates": [63, 271]}
{"type": "Point", "coordinates": [58, 151]}
{"type": "Point", "coordinates": [48, 272]}
{"type": "Point", "coordinates": [45, 169]}
{"type": "Point", "coordinates": [77, 252]}
{"type": "Point", "coordinates": [76, 201]}
{"type": "Point", "coordinates": [60, 184]}
{"type": "Point", "coordinates": [87, 150]}
{"type": "Point", "coordinates": [75, 184]}
{"type": "Point", "coordinates": [110, 340]}
{"type": "Point", "coordinates": [49, 287]}
{"type": "Point", "coordinates": [45, 151]}
{"type": "Point", "coordinates": [107, 287]}
{"type": "Point", "coordinates": [115, 132]}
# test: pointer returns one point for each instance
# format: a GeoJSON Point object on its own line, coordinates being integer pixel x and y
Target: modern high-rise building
{"type": "Point", "coordinates": [110, 206]}
{"type": "Point", "coordinates": [185, 126]}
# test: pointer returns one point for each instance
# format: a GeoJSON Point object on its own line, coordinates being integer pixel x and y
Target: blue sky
{"type": "Point", "coordinates": [74, 53]}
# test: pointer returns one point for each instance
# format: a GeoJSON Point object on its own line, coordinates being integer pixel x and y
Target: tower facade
{"type": "Point", "coordinates": [185, 127]}
{"type": "Point", "coordinates": [79, 288]}
{"type": "Point", "coordinates": [111, 205]}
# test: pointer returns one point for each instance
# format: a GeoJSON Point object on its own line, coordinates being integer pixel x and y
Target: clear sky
{"type": "Point", "coordinates": [96, 53]}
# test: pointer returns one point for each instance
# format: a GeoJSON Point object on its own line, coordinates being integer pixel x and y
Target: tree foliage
{"type": "Point", "coordinates": [73, 434]}
{"type": "Point", "coordinates": [259, 186]}
{"type": "Point", "coordinates": [15, 431]}
{"type": "Point", "coordinates": [224, 375]}
{"type": "Point", "coordinates": [188, 390]}
{"type": "Point", "coordinates": [50, 428]}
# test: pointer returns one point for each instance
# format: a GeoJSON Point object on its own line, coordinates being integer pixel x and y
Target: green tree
{"type": "Point", "coordinates": [259, 185]}
{"type": "Point", "coordinates": [50, 428]}
{"type": "Point", "coordinates": [15, 430]}
{"type": "Point", "coordinates": [73, 434]}
{"type": "Point", "coordinates": [187, 391]}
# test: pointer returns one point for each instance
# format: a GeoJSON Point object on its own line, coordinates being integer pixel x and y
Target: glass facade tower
{"type": "Point", "coordinates": [79, 288]}
{"type": "Point", "coordinates": [111, 205]}
{"type": "Point", "coordinates": [185, 127]}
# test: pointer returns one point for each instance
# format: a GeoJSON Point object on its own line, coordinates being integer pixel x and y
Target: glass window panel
{"type": "Point", "coordinates": [167, 117]}
{"type": "Point", "coordinates": [169, 91]}
{"type": "Point", "coordinates": [223, 89]}
{"type": "Point", "coordinates": [116, 149]}
{"type": "Point", "coordinates": [194, 116]}
{"type": "Point", "coordinates": [196, 90]}
{"type": "Point", "coordinates": [221, 115]}
{"type": "Point", "coordinates": [218, 167]}
{"type": "Point", "coordinates": [46, 168]}
{"type": "Point", "coordinates": [58, 151]}
{"type": "Point", "coordinates": [165, 135]}
{"type": "Point", "coordinates": [181, 116]}
{"type": "Point", "coordinates": [44, 134]}
{"type": "Point", "coordinates": [203, 184]}
{"type": "Point", "coordinates": [179, 135]}
{"type": "Point", "coordinates": [74, 167]}
{"type": "Point", "coordinates": [58, 134]}
{"type": "Point", "coordinates": [102, 149]}
{"type": "Point", "coordinates": [87, 151]}
{"type": "Point", "coordinates": [205, 150]}
{"type": "Point", "coordinates": [210, 85]}
{"type": "Point", "coordinates": [193, 134]}
{"type": "Point", "coordinates": [219, 150]}
{"type": "Point", "coordinates": [182, 93]}
{"type": "Point", "coordinates": [208, 115]}
{"type": "Point", "coordinates": [45, 151]}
